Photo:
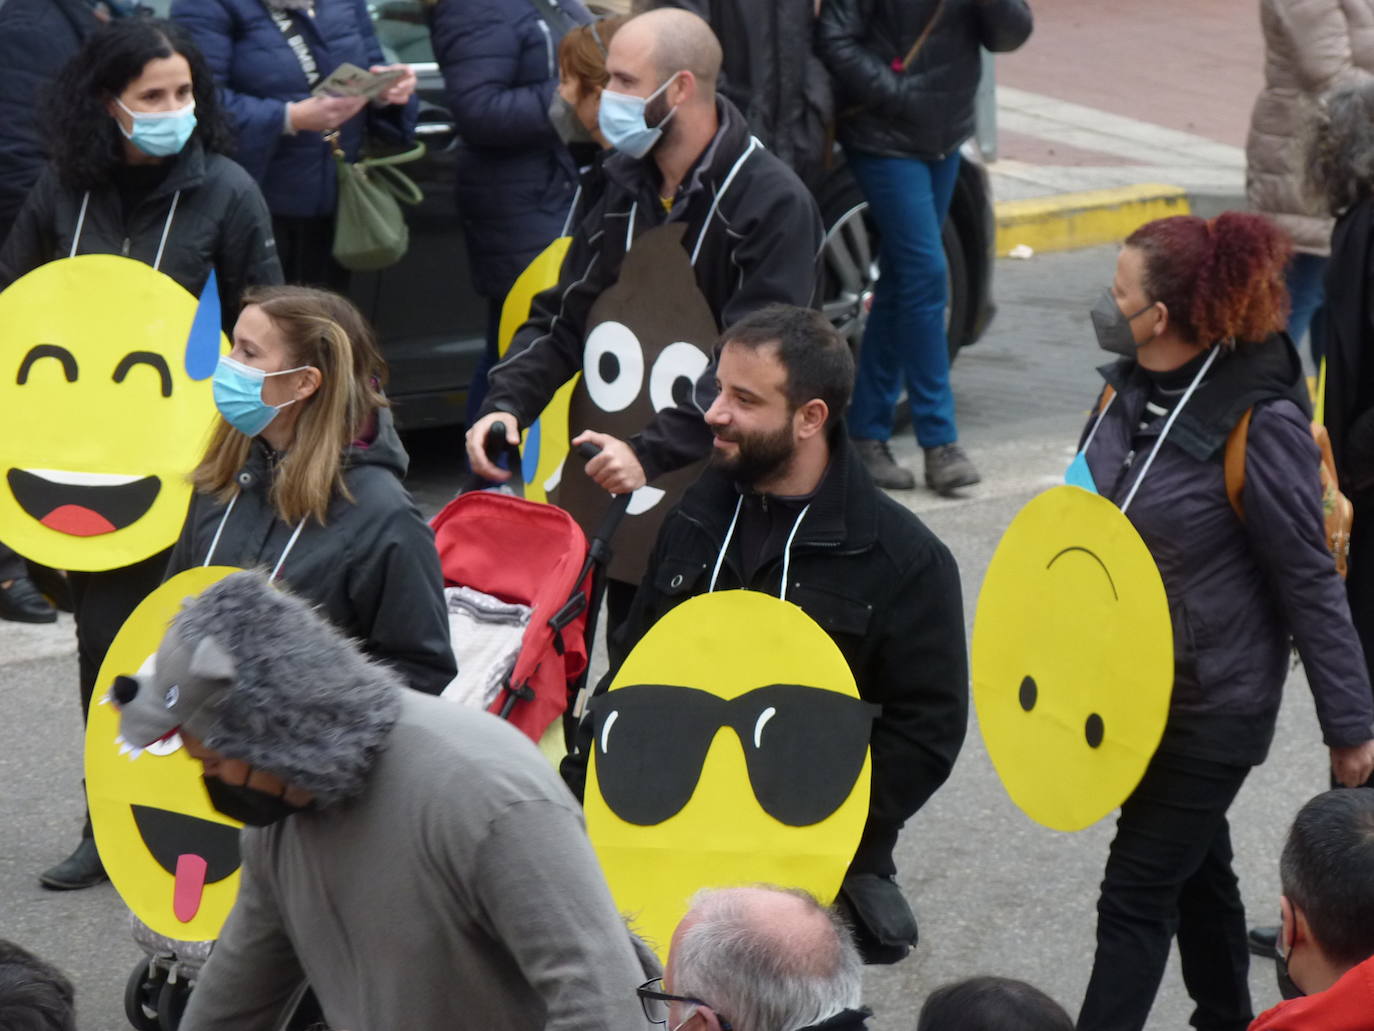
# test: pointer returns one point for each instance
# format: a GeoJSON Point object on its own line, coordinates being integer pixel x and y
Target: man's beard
{"type": "Point", "coordinates": [757, 456]}
{"type": "Point", "coordinates": [657, 114]}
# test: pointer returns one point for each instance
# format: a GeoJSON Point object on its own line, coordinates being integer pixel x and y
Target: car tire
{"type": "Point", "coordinates": [849, 265]}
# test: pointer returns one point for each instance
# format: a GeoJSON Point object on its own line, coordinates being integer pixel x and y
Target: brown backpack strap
{"type": "Point", "coordinates": [1235, 464]}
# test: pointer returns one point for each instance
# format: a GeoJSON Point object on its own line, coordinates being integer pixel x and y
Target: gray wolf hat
{"type": "Point", "coordinates": [256, 674]}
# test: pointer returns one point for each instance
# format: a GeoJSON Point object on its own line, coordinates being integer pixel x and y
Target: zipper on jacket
{"type": "Point", "coordinates": [548, 47]}
{"type": "Point", "coordinates": [127, 245]}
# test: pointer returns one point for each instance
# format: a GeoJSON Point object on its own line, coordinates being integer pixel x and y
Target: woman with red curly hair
{"type": "Point", "coordinates": [1196, 312]}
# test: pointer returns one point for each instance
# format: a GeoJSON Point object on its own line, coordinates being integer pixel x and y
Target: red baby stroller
{"type": "Point", "coordinates": [535, 555]}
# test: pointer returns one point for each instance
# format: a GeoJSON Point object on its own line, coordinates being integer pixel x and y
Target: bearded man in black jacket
{"type": "Point", "coordinates": [786, 495]}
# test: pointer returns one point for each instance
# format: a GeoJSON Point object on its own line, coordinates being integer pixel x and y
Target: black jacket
{"type": "Point", "coordinates": [1349, 326]}
{"type": "Point", "coordinates": [372, 568]}
{"type": "Point", "coordinates": [516, 179]}
{"type": "Point", "coordinates": [37, 37]}
{"type": "Point", "coordinates": [884, 588]}
{"type": "Point", "coordinates": [760, 238]}
{"type": "Point", "coordinates": [925, 111]}
{"type": "Point", "coordinates": [1237, 591]}
{"type": "Point", "coordinates": [220, 223]}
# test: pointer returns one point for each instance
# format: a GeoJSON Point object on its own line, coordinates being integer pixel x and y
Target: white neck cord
{"type": "Point", "coordinates": [1168, 424]}
{"type": "Point", "coordinates": [214, 543]}
{"type": "Point", "coordinates": [729, 534]}
{"type": "Point", "coordinates": [787, 550]}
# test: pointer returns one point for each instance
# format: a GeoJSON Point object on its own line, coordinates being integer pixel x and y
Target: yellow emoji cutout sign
{"type": "Point", "coordinates": [545, 441]}
{"type": "Point", "coordinates": [1073, 658]}
{"type": "Point", "coordinates": [105, 407]}
{"type": "Point", "coordinates": [731, 748]}
{"type": "Point", "coordinates": [173, 858]}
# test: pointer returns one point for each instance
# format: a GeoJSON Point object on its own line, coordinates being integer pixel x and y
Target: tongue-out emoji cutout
{"type": "Point", "coordinates": [172, 857]}
{"type": "Point", "coordinates": [649, 339]}
{"type": "Point", "coordinates": [105, 407]}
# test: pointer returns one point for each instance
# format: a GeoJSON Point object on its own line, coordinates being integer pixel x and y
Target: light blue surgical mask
{"type": "Point", "coordinates": [160, 134]}
{"type": "Point", "coordinates": [238, 395]}
{"type": "Point", "coordinates": [621, 118]}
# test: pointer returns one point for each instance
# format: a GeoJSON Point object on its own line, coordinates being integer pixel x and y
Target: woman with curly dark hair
{"type": "Point", "coordinates": [138, 169]}
{"type": "Point", "coordinates": [1196, 313]}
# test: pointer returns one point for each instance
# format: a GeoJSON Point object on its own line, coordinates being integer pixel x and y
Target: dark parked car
{"type": "Point", "coordinates": [431, 323]}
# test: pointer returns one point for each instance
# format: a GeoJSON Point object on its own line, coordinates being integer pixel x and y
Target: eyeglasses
{"type": "Point", "coordinates": [804, 747]}
{"type": "Point", "coordinates": [655, 1002]}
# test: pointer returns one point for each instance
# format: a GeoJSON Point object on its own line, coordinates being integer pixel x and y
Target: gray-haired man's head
{"type": "Point", "coordinates": [761, 959]}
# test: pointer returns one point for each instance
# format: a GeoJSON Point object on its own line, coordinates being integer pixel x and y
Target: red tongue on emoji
{"type": "Point", "coordinates": [77, 521]}
{"type": "Point", "coordinates": [190, 886]}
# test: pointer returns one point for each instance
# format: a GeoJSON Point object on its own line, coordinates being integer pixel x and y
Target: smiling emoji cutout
{"type": "Point", "coordinates": [105, 408]}
{"type": "Point", "coordinates": [731, 748]}
{"type": "Point", "coordinates": [172, 857]}
{"type": "Point", "coordinates": [1073, 658]}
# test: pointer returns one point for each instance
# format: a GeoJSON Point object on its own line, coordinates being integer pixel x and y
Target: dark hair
{"type": "Point", "coordinates": [1220, 278]}
{"type": "Point", "coordinates": [991, 1004]}
{"type": "Point", "coordinates": [84, 141]}
{"type": "Point", "coordinates": [1339, 144]}
{"type": "Point", "coordinates": [34, 995]}
{"type": "Point", "coordinates": [1327, 871]}
{"type": "Point", "coordinates": [818, 361]}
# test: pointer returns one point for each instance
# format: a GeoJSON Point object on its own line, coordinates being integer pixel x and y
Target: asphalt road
{"type": "Point", "coordinates": [995, 893]}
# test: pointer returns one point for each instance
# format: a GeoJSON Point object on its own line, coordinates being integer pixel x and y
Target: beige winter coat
{"type": "Point", "coordinates": [1311, 47]}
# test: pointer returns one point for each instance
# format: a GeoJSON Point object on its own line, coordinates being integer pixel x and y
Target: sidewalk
{"type": "Point", "coordinates": [1110, 116]}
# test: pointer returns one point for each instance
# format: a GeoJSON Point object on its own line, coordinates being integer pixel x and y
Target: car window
{"type": "Point", "coordinates": [403, 30]}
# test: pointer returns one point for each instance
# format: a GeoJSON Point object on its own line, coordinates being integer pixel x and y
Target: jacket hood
{"type": "Point", "coordinates": [379, 444]}
{"type": "Point", "coordinates": [1268, 370]}
{"type": "Point", "coordinates": [274, 684]}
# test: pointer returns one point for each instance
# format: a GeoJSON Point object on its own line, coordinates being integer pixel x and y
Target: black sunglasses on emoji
{"type": "Point", "coordinates": [804, 747]}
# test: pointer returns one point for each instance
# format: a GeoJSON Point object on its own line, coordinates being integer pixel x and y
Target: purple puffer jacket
{"type": "Point", "coordinates": [1237, 591]}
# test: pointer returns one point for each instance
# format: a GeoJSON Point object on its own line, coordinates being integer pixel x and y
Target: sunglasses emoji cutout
{"type": "Point", "coordinates": [732, 748]}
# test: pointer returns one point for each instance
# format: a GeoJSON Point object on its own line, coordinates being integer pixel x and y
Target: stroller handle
{"type": "Point", "coordinates": [496, 444]}
{"type": "Point", "coordinates": [587, 450]}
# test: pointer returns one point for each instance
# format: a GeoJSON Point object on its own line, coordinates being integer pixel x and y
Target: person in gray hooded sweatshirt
{"type": "Point", "coordinates": [418, 862]}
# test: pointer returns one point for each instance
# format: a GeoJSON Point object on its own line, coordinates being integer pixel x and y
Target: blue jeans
{"type": "Point", "coordinates": [1306, 292]}
{"type": "Point", "coordinates": [905, 337]}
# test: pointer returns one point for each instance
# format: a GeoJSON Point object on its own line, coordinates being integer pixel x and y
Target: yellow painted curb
{"type": "Point", "coordinates": [1068, 220]}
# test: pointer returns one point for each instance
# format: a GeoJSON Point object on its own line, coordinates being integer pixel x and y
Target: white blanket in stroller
{"type": "Point", "coordinates": [486, 633]}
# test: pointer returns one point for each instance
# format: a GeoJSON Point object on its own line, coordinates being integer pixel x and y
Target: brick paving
{"type": "Point", "coordinates": [1191, 65]}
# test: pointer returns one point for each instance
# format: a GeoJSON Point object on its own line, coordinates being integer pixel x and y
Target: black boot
{"type": "Point", "coordinates": [21, 603]}
{"type": "Point", "coordinates": [81, 869]}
